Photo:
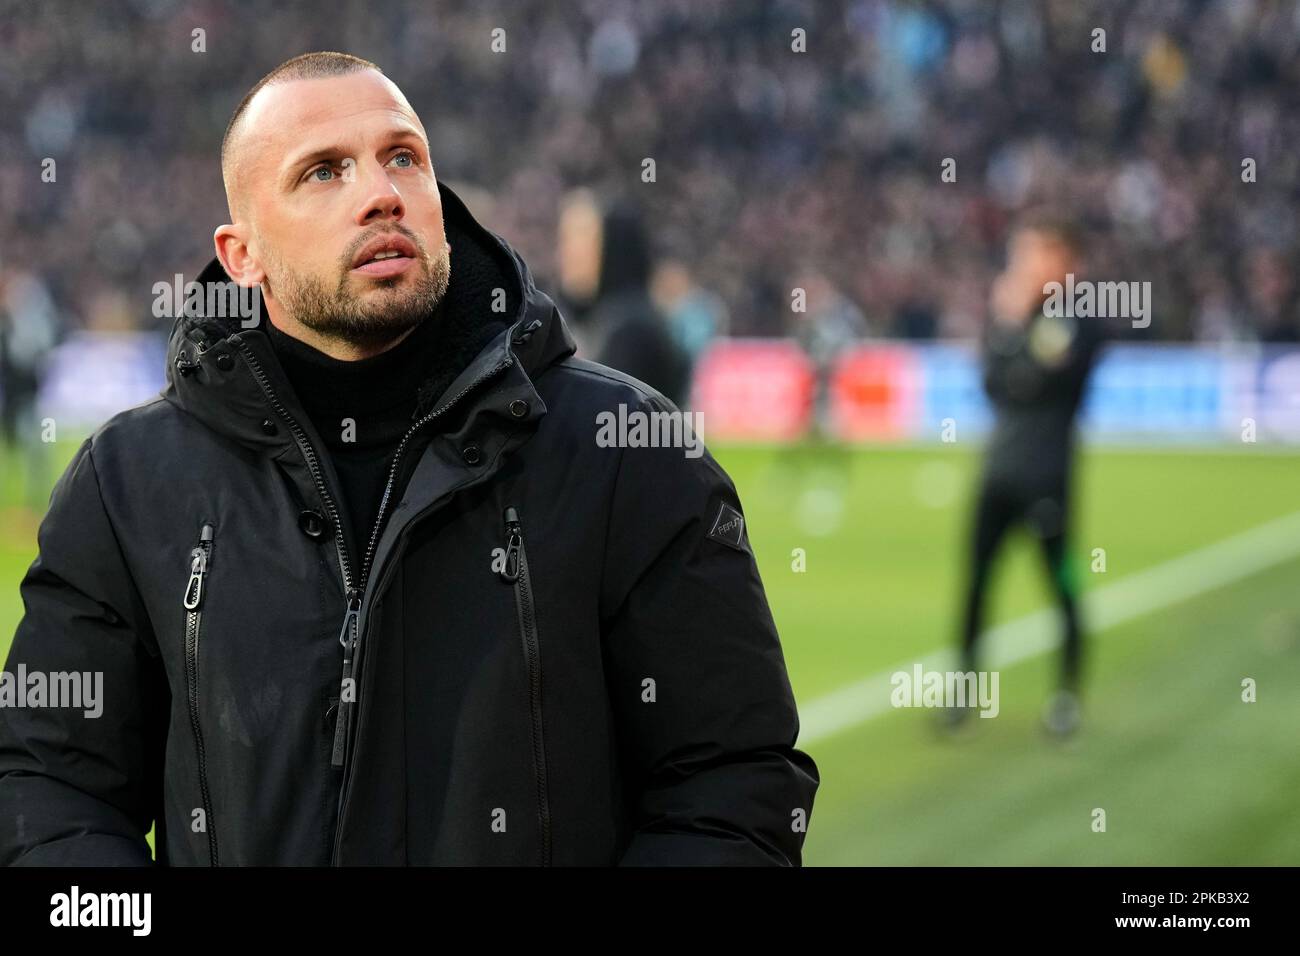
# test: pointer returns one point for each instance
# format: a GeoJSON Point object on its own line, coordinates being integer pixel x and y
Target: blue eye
{"type": "Point", "coordinates": [409, 157]}
{"type": "Point", "coordinates": [322, 169]}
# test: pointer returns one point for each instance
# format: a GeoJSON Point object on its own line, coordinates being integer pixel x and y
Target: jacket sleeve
{"type": "Point", "coordinates": [706, 719]}
{"type": "Point", "coordinates": [76, 788]}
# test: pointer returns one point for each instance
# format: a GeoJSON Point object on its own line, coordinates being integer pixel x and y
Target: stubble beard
{"type": "Point", "coordinates": [383, 311]}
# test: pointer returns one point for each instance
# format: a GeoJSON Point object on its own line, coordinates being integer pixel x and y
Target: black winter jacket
{"type": "Point", "coordinates": [560, 653]}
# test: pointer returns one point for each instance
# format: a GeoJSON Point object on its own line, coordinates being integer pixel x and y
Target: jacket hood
{"type": "Point", "coordinates": [222, 368]}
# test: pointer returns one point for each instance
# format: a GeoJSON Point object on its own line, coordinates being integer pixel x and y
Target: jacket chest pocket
{"type": "Point", "coordinates": [195, 591]}
{"type": "Point", "coordinates": [516, 573]}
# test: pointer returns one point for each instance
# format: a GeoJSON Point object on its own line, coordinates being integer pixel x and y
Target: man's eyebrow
{"type": "Point", "coordinates": [300, 163]}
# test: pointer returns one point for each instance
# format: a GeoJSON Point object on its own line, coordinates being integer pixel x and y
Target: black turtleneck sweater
{"type": "Point", "coordinates": [380, 394]}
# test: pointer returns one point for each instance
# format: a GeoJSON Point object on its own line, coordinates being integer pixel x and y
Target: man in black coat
{"type": "Point", "coordinates": [1036, 367]}
{"type": "Point", "coordinates": [363, 584]}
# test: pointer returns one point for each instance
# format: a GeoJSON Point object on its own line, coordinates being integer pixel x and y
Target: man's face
{"type": "Point", "coordinates": [1034, 258]}
{"type": "Point", "coordinates": [334, 172]}
{"type": "Point", "coordinates": [1039, 257]}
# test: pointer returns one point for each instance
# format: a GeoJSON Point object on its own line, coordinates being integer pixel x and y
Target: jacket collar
{"type": "Point", "coordinates": [228, 377]}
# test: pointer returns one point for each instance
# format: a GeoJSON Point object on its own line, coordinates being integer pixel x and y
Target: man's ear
{"type": "Point", "coordinates": [235, 258]}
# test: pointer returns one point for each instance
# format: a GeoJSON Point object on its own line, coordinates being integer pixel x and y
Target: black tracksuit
{"type": "Point", "coordinates": [557, 656]}
{"type": "Point", "coordinates": [1035, 377]}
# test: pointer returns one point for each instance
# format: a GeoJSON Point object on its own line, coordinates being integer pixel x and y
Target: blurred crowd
{"type": "Point", "coordinates": [796, 145]}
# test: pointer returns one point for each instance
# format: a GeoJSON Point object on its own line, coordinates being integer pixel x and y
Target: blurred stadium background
{"type": "Point", "coordinates": [818, 171]}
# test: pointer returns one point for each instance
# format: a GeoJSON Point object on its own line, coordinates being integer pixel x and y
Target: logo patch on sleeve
{"type": "Point", "coordinates": [729, 528]}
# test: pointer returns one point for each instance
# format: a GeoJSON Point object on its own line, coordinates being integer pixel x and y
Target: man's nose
{"type": "Point", "coordinates": [380, 198]}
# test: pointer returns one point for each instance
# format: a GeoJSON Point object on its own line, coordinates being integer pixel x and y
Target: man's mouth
{"type": "Point", "coordinates": [385, 256]}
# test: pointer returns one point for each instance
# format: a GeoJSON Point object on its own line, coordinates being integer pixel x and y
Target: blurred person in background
{"type": "Point", "coordinates": [577, 260]}
{"type": "Point", "coordinates": [29, 330]}
{"type": "Point", "coordinates": [1036, 368]}
{"type": "Point", "coordinates": [1271, 296]}
{"type": "Point", "coordinates": [828, 324]}
{"type": "Point", "coordinates": [631, 333]}
{"type": "Point", "coordinates": [695, 315]}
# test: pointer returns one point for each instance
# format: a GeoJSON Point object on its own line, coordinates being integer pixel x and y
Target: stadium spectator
{"type": "Point", "coordinates": [632, 333]}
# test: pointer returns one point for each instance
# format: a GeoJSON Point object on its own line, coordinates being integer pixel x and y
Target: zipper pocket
{"type": "Point", "coordinates": [515, 572]}
{"type": "Point", "coordinates": [200, 559]}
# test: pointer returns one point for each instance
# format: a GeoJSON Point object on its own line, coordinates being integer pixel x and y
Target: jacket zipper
{"type": "Point", "coordinates": [515, 572]}
{"type": "Point", "coordinates": [350, 633]}
{"type": "Point", "coordinates": [200, 557]}
{"type": "Point", "coordinates": [353, 635]}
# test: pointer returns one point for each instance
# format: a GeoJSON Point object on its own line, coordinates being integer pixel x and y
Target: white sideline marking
{"type": "Point", "coordinates": [1161, 585]}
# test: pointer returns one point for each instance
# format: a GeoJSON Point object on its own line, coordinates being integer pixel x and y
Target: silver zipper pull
{"type": "Point", "coordinates": [347, 635]}
{"type": "Point", "coordinates": [194, 590]}
{"type": "Point", "coordinates": [198, 567]}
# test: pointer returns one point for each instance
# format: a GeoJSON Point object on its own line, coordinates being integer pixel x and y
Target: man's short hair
{"type": "Point", "coordinates": [1062, 227]}
{"type": "Point", "coordinates": [305, 66]}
